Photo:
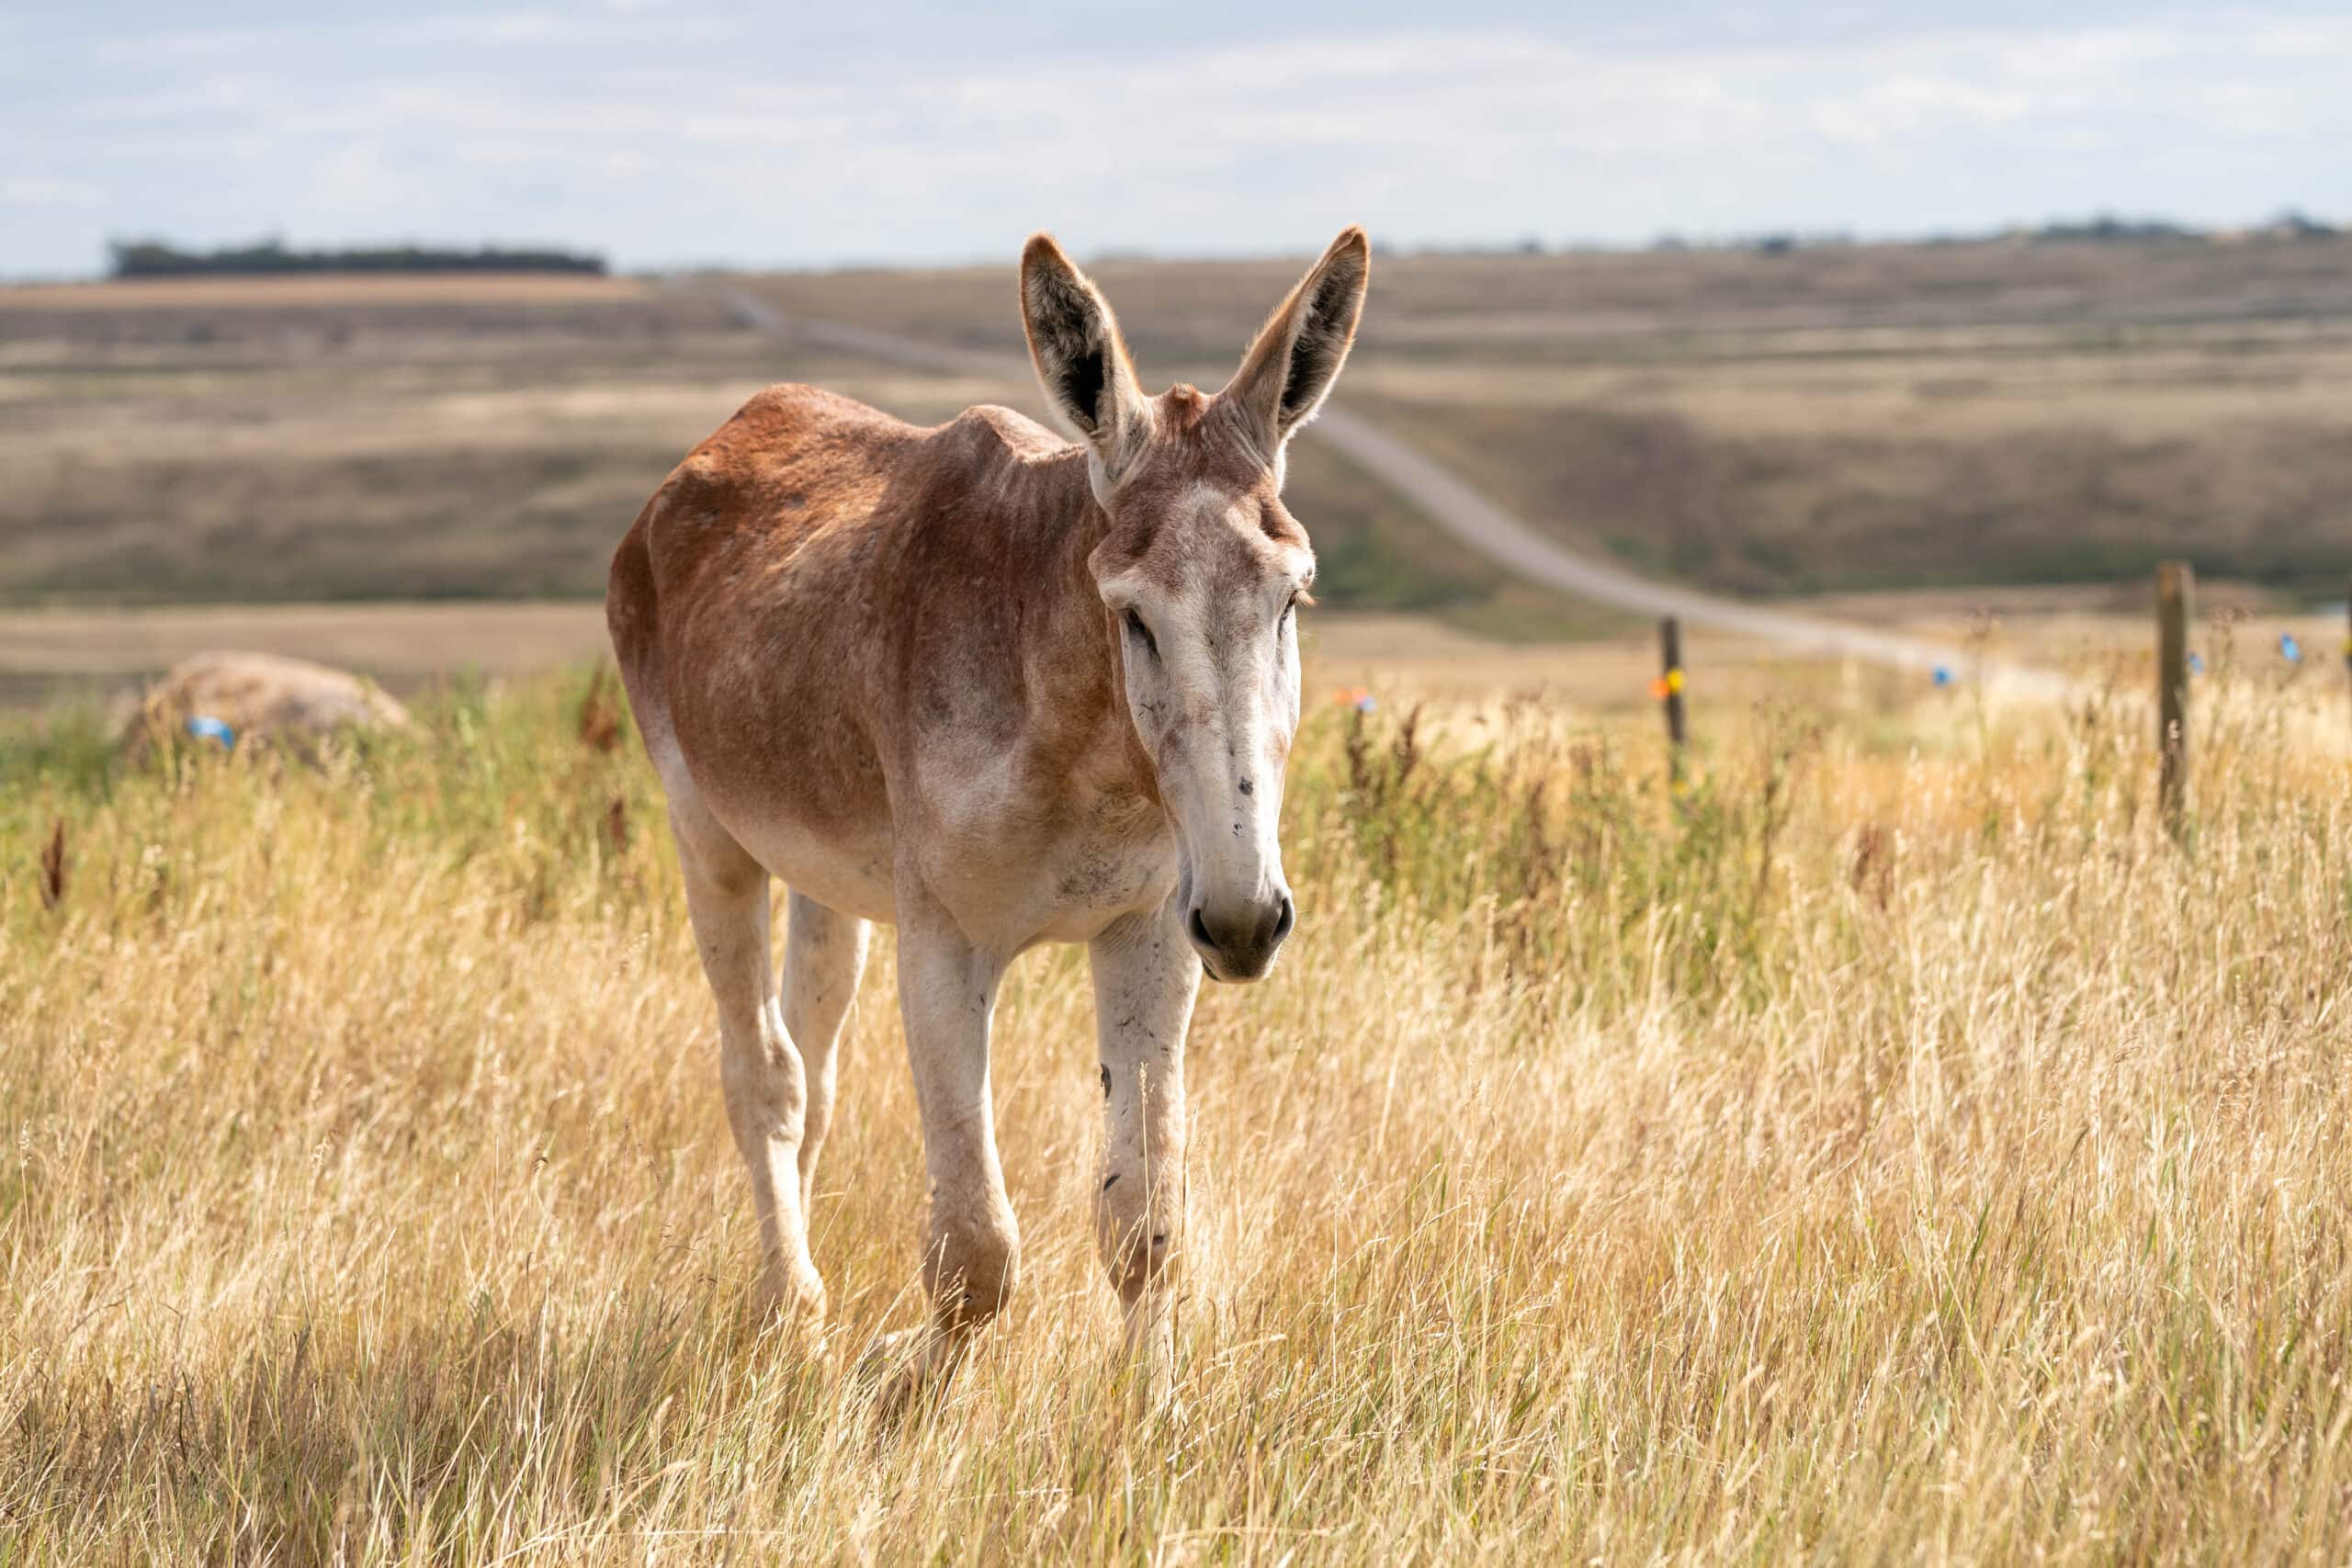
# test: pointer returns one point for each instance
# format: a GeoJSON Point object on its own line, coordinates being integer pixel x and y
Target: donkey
{"type": "Point", "coordinates": [999, 690]}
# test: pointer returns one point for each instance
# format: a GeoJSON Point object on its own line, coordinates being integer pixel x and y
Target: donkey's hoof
{"type": "Point", "coordinates": [1151, 1389]}
{"type": "Point", "coordinates": [797, 1305]}
{"type": "Point", "coordinates": [907, 1366]}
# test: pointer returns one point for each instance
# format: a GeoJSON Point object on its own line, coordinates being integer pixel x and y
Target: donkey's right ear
{"type": "Point", "coordinates": [1081, 362]}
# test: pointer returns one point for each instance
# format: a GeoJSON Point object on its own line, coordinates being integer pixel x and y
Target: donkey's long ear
{"type": "Point", "coordinates": [1289, 370]}
{"type": "Point", "coordinates": [1082, 360]}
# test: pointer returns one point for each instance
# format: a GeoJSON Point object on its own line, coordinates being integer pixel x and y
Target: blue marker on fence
{"type": "Point", "coordinates": [2289, 649]}
{"type": "Point", "coordinates": [204, 727]}
{"type": "Point", "coordinates": [1942, 676]}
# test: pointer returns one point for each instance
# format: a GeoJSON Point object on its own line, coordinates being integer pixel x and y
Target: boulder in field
{"type": "Point", "coordinates": [234, 699]}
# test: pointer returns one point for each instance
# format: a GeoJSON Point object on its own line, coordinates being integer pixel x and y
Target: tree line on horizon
{"type": "Point", "coordinates": [157, 258]}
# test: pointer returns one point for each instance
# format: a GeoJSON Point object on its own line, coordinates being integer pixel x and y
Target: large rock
{"type": "Point", "coordinates": [238, 698]}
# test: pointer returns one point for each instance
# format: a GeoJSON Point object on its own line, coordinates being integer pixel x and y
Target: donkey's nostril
{"type": "Point", "coordinates": [1288, 919]}
{"type": "Point", "coordinates": [1200, 929]}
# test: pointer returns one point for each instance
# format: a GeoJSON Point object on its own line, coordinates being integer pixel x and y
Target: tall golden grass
{"type": "Point", "coordinates": [1896, 1149]}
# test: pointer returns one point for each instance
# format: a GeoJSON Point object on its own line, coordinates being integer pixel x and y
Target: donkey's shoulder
{"type": "Point", "coordinates": [780, 419]}
{"type": "Point", "coordinates": [988, 430]}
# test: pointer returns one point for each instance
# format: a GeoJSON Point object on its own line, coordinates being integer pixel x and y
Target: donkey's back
{"type": "Point", "coordinates": [796, 470]}
{"type": "Point", "coordinates": [793, 567]}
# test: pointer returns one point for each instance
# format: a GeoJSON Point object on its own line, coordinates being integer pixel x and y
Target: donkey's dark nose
{"type": "Point", "coordinates": [1237, 939]}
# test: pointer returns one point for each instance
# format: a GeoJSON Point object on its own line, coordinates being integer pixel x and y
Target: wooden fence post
{"type": "Point", "coordinates": [2175, 586]}
{"type": "Point", "coordinates": [1669, 686]}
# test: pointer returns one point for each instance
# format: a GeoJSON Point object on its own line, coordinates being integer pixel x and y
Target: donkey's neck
{"type": "Point", "coordinates": [1007, 631]}
{"type": "Point", "coordinates": [1077, 696]}
{"type": "Point", "coordinates": [1067, 635]}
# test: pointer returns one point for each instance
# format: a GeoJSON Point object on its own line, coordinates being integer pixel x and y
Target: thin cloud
{"type": "Point", "coordinates": [665, 133]}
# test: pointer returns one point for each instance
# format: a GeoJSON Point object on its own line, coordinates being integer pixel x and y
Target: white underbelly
{"type": "Point", "coordinates": [852, 876]}
{"type": "Point", "coordinates": [1008, 891]}
{"type": "Point", "coordinates": [850, 873]}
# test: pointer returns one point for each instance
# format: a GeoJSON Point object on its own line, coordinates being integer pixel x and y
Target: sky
{"type": "Point", "coordinates": [907, 132]}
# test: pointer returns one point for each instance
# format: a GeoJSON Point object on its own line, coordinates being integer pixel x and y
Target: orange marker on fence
{"type": "Point", "coordinates": [1668, 689]}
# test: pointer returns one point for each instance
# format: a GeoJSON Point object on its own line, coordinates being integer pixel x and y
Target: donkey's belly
{"type": "Point", "coordinates": [850, 873]}
{"type": "Point", "coordinates": [785, 769]}
{"type": "Point", "coordinates": [831, 850]}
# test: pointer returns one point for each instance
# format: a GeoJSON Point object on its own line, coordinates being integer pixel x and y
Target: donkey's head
{"type": "Point", "coordinates": [1202, 572]}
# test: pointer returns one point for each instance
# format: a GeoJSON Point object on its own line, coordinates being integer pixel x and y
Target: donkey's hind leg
{"type": "Point", "coordinates": [765, 1081]}
{"type": "Point", "coordinates": [824, 953]}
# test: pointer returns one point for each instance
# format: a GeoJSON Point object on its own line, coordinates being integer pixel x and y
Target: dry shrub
{"type": "Point", "coordinates": [1873, 873]}
{"type": "Point", "coordinates": [52, 868]}
{"type": "Point", "coordinates": [600, 718]}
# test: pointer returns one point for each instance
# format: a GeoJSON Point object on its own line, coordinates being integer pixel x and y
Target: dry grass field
{"type": "Point", "coordinates": [1894, 1148]}
{"type": "Point", "coordinates": [1897, 1150]}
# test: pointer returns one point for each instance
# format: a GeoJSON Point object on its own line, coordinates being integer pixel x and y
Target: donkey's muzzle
{"type": "Point", "coordinates": [1236, 941]}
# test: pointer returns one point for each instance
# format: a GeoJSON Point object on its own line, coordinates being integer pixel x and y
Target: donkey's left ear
{"type": "Point", "coordinates": [1289, 370]}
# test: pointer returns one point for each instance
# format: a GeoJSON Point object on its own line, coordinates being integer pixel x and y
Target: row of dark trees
{"type": "Point", "coordinates": [2102, 229]}
{"type": "Point", "coordinates": [154, 258]}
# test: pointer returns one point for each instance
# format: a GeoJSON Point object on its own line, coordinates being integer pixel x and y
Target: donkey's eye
{"type": "Point", "coordinates": [1142, 634]}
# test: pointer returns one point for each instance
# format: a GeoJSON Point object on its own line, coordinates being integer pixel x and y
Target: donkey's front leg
{"type": "Point", "coordinates": [1144, 976]}
{"type": "Point", "coordinates": [972, 1248]}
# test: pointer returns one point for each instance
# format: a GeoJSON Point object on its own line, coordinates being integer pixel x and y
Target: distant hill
{"type": "Point", "coordinates": [1835, 419]}
{"type": "Point", "coordinates": [154, 258]}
